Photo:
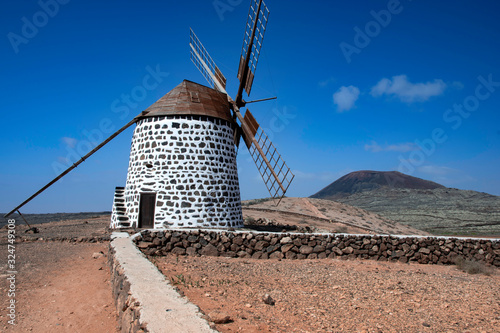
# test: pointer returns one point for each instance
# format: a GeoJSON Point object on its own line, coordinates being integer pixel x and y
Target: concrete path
{"type": "Point", "coordinates": [161, 307]}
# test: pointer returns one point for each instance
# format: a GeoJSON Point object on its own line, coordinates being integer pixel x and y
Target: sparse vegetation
{"type": "Point", "coordinates": [255, 201]}
{"type": "Point", "coordinates": [185, 281]}
{"type": "Point", "coordinates": [249, 220]}
{"type": "Point", "coordinates": [472, 266]}
{"type": "Point", "coordinates": [341, 230]}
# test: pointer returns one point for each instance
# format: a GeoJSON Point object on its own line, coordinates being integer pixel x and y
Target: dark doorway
{"type": "Point", "coordinates": [147, 210]}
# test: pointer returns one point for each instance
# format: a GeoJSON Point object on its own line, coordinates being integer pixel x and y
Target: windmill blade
{"type": "Point", "coordinates": [65, 172]}
{"type": "Point", "coordinates": [276, 174]}
{"type": "Point", "coordinates": [205, 64]}
{"type": "Point", "coordinates": [258, 16]}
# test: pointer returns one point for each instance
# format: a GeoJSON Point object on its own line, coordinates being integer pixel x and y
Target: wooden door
{"type": "Point", "coordinates": [147, 210]}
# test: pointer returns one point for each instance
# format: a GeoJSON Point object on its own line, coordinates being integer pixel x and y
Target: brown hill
{"type": "Point", "coordinates": [361, 181]}
{"type": "Point", "coordinates": [419, 203]}
{"type": "Point", "coordinates": [324, 216]}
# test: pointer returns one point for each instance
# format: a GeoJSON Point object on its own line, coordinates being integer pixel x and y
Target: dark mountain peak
{"type": "Point", "coordinates": [366, 180]}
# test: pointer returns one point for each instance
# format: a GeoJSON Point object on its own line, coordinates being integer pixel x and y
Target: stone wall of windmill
{"type": "Point", "coordinates": [189, 162]}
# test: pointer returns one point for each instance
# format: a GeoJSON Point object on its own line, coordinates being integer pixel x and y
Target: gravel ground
{"type": "Point", "coordinates": [336, 296]}
{"type": "Point", "coordinates": [94, 226]}
{"type": "Point", "coordinates": [60, 286]}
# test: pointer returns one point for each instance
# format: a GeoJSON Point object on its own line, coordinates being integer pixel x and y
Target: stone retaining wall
{"type": "Point", "coordinates": [126, 306]}
{"type": "Point", "coordinates": [423, 250]}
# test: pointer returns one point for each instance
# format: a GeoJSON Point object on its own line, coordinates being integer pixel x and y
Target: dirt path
{"type": "Point", "coordinates": [59, 287]}
{"type": "Point", "coordinates": [336, 296]}
{"type": "Point", "coordinates": [314, 210]}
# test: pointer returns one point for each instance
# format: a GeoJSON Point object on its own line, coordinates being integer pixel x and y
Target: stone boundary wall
{"type": "Point", "coordinates": [41, 238]}
{"type": "Point", "coordinates": [126, 306]}
{"type": "Point", "coordinates": [259, 245]}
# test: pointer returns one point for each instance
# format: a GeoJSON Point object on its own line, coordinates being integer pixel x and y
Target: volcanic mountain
{"type": "Point", "coordinates": [416, 202]}
{"type": "Point", "coordinates": [361, 181]}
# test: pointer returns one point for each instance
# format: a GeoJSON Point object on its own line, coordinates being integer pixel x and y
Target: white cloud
{"type": "Point", "coordinates": [345, 98]}
{"type": "Point", "coordinates": [374, 147]}
{"type": "Point", "coordinates": [321, 176]}
{"type": "Point", "coordinates": [326, 82]}
{"type": "Point", "coordinates": [436, 170]}
{"type": "Point", "coordinates": [70, 142]}
{"type": "Point", "coordinates": [407, 91]}
{"type": "Point", "coordinates": [457, 85]}
{"type": "Point", "coordinates": [63, 160]}
{"type": "Point", "coordinates": [445, 175]}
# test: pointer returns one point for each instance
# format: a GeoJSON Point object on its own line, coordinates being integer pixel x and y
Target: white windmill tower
{"type": "Point", "coordinates": [182, 170]}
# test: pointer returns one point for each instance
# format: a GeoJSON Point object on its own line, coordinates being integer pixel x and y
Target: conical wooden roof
{"type": "Point", "coordinates": [190, 98]}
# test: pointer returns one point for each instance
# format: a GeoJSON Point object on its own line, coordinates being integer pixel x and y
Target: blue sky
{"type": "Point", "coordinates": [379, 85]}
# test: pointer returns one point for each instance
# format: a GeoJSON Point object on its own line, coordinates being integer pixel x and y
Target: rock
{"type": "Point", "coordinates": [243, 254]}
{"type": "Point", "coordinates": [406, 248]}
{"type": "Point", "coordinates": [312, 256]}
{"type": "Point", "coordinates": [143, 245]}
{"type": "Point", "coordinates": [319, 248]}
{"type": "Point", "coordinates": [337, 251]}
{"type": "Point", "coordinates": [219, 317]}
{"type": "Point", "coordinates": [286, 240]}
{"type": "Point", "coordinates": [191, 251]}
{"type": "Point", "coordinates": [209, 250]}
{"type": "Point", "coordinates": [178, 251]}
{"type": "Point", "coordinates": [276, 255]}
{"type": "Point", "coordinates": [238, 240]}
{"type": "Point", "coordinates": [261, 245]}
{"type": "Point", "coordinates": [267, 299]}
{"type": "Point", "coordinates": [97, 255]}
{"type": "Point", "coordinates": [424, 250]}
{"type": "Point", "coordinates": [192, 239]}
{"type": "Point", "coordinates": [399, 253]}
{"type": "Point", "coordinates": [305, 249]}
{"type": "Point", "coordinates": [322, 255]}
{"type": "Point", "coordinates": [286, 248]}
{"type": "Point", "coordinates": [348, 250]}
{"type": "Point", "coordinates": [257, 255]}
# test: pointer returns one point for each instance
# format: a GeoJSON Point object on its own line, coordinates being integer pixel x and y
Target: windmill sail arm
{"type": "Point", "coordinates": [252, 43]}
{"type": "Point", "coordinates": [244, 69]}
{"type": "Point", "coordinates": [65, 172]}
{"type": "Point", "coordinates": [205, 64]}
{"type": "Point", "coordinates": [276, 174]}
{"type": "Point", "coordinates": [273, 169]}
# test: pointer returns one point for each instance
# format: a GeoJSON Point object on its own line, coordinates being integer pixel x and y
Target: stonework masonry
{"type": "Point", "coordinates": [189, 162]}
{"type": "Point", "coordinates": [423, 250]}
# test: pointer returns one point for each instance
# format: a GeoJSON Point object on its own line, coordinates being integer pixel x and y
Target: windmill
{"type": "Point", "coordinates": [182, 168]}
{"type": "Point", "coordinates": [274, 171]}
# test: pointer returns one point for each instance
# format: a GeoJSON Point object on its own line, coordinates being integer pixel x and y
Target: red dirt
{"type": "Point", "coordinates": [336, 296]}
{"type": "Point", "coordinates": [60, 287]}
